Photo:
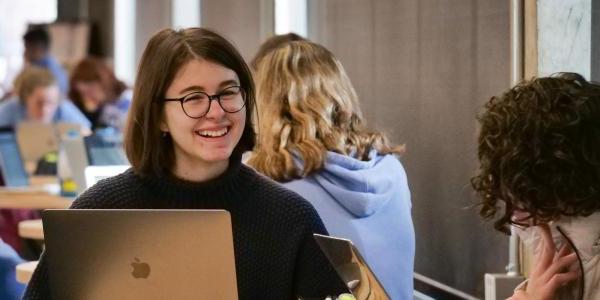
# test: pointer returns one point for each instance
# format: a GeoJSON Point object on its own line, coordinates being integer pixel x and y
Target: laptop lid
{"type": "Point", "coordinates": [11, 165]}
{"type": "Point", "coordinates": [351, 267]}
{"type": "Point", "coordinates": [77, 159]}
{"type": "Point", "coordinates": [36, 139]}
{"type": "Point", "coordinates": [105, 150]}
{"type": "Point", "coordinates": [65, 128]}
{"type": "Point", "coordinates": [140, 254]}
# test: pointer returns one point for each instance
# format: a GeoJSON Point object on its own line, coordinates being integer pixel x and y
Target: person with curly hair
{"type": "Point", "coordinates": [539, 154]}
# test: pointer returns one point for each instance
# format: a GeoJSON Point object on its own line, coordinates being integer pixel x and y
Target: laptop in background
{"type": "Point", "coordinates": [140, 254]}
{"type": "Point", "coordinates": [93, 158]}
{"type": "Point", "coordinates": [76, 156]}
{"type": "Point", "coordinates": [12, 169]}
{"type": "Point", "coordinates": [37, 139]}
{"type": "Point", "coordinates": [93, 174]}
{"type": "Point", "coordinates": [105, 150]}
{"type": "Point", "coordinates": [64, 128]}
{"type": "Point", "coordinates": [351, 268]}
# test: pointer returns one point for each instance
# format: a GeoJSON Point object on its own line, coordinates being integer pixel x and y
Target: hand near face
{"type": "Point", "coordinates": [552, 269]}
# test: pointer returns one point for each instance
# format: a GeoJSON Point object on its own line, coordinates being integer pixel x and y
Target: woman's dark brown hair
{"type": "Point", "coordinates": [93, 69]}
{"type": "Point", "coordinates": [539, 150]}
{"type": "Point", "coordinates": [149, 152]}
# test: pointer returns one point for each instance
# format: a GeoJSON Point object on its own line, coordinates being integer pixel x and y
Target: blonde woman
{"type": "Point", "coordinates": [39, 99]}
{"type": "Point", "coordinates": [312, 139]}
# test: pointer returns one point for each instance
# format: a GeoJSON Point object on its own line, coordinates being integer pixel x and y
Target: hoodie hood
{"type": "Point", "coordinates": [361, 187]}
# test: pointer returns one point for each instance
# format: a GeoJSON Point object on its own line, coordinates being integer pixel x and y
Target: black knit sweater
{"type": "Point", "coordinates": [276, 256]}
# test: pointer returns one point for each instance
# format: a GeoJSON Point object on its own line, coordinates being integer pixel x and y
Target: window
{"type": "Point", "coordinates": [12, 27]}
{"type": "Point", "coordinates": [185, 13]}
{"type": "Point", "coordinates": [291, 16]}
{"type": "Point", "coordinates": [124, 44]}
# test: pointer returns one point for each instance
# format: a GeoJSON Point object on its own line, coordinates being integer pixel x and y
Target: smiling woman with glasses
{"type": "Point", "coordinates": [185, 153]}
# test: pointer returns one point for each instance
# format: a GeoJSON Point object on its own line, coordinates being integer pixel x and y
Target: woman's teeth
{"type": "Point", "coordinates": [213, 133]}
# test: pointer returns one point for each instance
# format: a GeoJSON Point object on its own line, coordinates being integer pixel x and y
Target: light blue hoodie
{"type": "Point", "coordinates": [369, 203]}
{"type": "Point", "coordinates": [10, 289]}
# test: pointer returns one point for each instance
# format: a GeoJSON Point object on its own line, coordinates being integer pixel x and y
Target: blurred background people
{"type": "Point", "coordinates": [312, 138]}
{"type": "Point", "coordinates": [96, 91]}
{"type": "Point", "coordinates": [37, 52]}
{"type": "Point", "coordinates": [39, 99]}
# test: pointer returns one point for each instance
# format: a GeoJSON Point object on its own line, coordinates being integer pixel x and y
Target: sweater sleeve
{"type": "Point", "coordinates": [38, 287]}
{"type": "Point", "coordinates": [314, 275]}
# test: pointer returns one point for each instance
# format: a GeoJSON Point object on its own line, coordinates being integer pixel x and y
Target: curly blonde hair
{"type": "Point", "coordinates": [307, 106]}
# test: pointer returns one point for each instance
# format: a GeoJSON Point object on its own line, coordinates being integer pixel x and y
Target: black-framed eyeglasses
{"type": "Point", "coordinates": [197, 104]}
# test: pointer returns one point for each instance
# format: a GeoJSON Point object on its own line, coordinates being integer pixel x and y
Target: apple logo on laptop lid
{"type": "Point", "coordinates": [140, 269]}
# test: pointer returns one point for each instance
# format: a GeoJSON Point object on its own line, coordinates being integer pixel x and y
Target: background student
{"type": "Point", "coordinates": [38, 99]}
{"type": "Point", "coordinates": [97, 93]}
{"type": "Point", "coordinates": [313, 139]}
{"type": "Point", "coordinates": [37, 53]}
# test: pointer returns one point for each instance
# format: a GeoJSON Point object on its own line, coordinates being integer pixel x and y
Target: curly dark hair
{"type": "Point", "coordinates": [539, 151]}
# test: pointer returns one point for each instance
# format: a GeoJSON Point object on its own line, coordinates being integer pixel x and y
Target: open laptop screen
{"type": "Point", "coordinates": [11, 164]}
{"type": "Point", "coordinates": [93, 174]}
{"type": "Point", "coordinates": [352, 268]}
{"type": "Point", "coordinates": [105, 151]}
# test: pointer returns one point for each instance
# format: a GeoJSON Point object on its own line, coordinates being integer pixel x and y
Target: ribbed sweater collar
{"type": "Point", "coordinates": [229, 186]}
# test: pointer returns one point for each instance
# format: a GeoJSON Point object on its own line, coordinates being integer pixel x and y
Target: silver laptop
{"type": "Point", "coordinates": [140, 254]}
{"type": "Point", "coordinates": [76, 157]}
{"type": "Point", "coordinates": [352, 268]}
{"type": "Point", "coordinates": [79, 155]}
{"type": "Point", "coordinates": [36, 139]}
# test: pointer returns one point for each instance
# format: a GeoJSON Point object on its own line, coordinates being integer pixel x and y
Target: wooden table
{"type": "Point", "coordinates": [38, 180]}
{"type": "Point", "coordinates": [31, 229]}
{"type": "Point", "coordinates": [42, 194]}
{"type": "Point", "coordinates": [32, 199]}
{"type": "Point", "coordinates": [25, 270]}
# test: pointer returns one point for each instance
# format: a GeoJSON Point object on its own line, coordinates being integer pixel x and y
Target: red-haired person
{"type": "Point", "coordinates": [98, 94]}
